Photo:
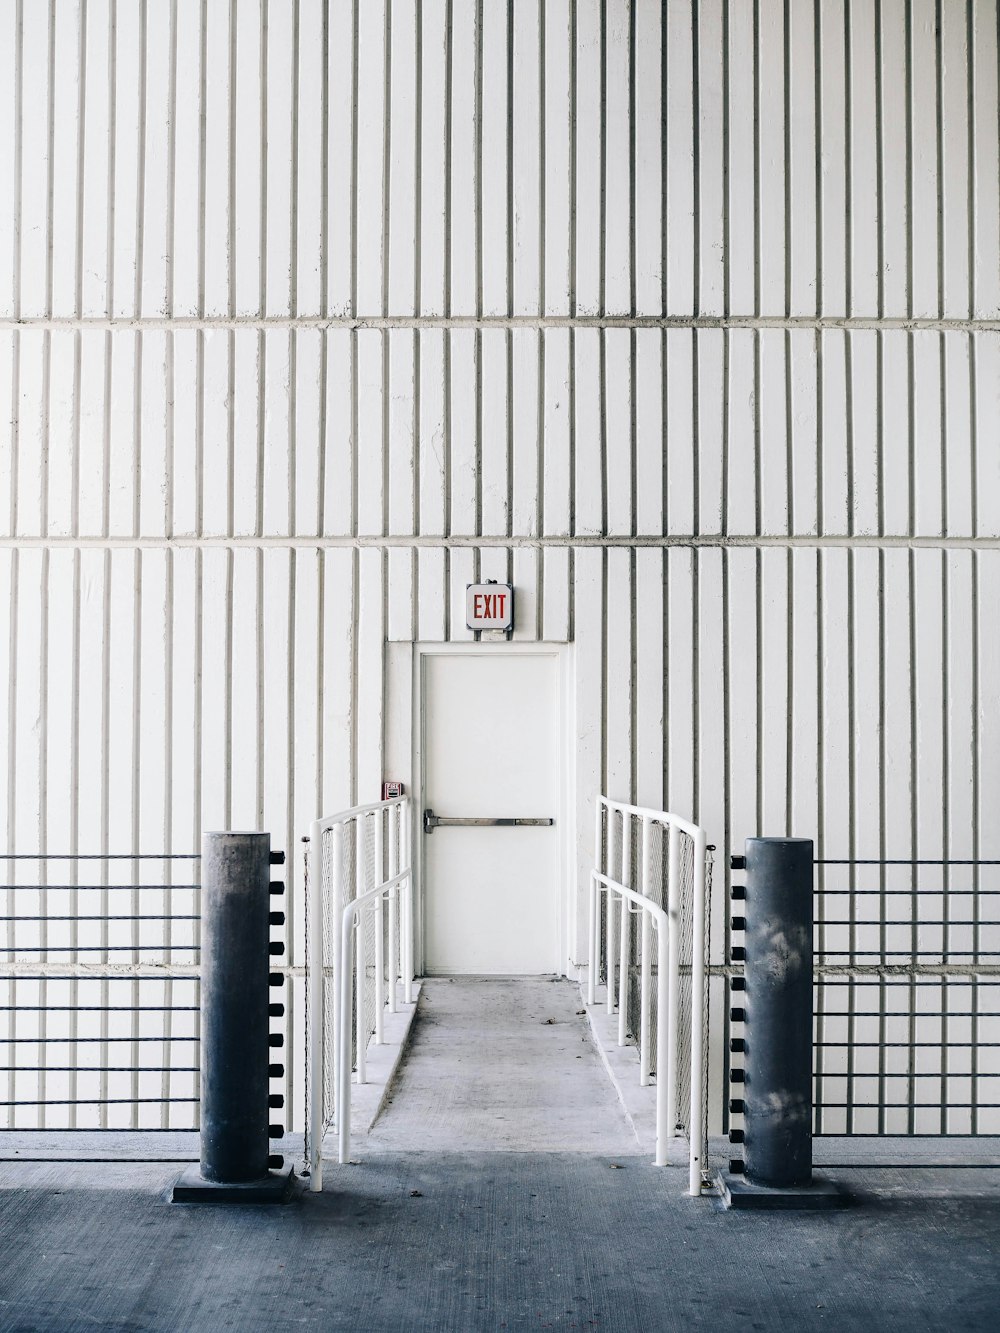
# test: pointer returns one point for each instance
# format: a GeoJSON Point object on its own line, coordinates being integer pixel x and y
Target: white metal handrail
{"type": "Point", "coordinates": [353, 920]}
{"type": "Point", "coordinates": [620, 893]}
{"type": "Point", "coordinates": [343, 899]}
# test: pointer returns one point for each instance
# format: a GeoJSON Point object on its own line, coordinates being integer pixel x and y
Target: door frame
{"type": "Point", "coordinates": [566, 811]}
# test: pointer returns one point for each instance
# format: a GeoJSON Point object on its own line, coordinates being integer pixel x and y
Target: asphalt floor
{"type": "Point", "coordinates": [482, 1233]}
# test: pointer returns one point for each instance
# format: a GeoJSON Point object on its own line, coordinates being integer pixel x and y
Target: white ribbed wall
{"type": "Point", "coordinates": [310, 314]}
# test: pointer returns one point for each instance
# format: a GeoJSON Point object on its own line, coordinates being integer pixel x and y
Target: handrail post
{"type": "Point", "coordinates": [673, 974]}
{"type": "Point", "coordinates": [623, 938]}
{"type": "Point", "coordinates": [317, 1004]}
{"type": "Point", "coordinates": [337, 897]}
{"type": "Point", "coordinates": [394, 812]}
{"type": "Point", "coordinates": [646, 960]}
{"type": "Point", "coordinates": [360, 1036]}
{"type": "Point", "coordinates": [662, 1122]}
{"type": "Point", "coordinates": [348, 920]}
{"type": "Point", "coordinates": [379, 930]}
{"type": "Point", "coordinates": [698, 1034]}
{"type": "Point", "coordinates": [408, 926]}
{"type": "Point", "coordinates": [595, 899]}
{"type": "Point", "coordinates": [609, 950]}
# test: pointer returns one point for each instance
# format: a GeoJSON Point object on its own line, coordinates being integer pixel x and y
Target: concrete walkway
{"type": "Point", "coordinates": [501, 1066]}
{"type": "Point", "coordinates": [500, 1189]}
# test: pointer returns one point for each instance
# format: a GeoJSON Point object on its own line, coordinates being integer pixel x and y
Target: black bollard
{"type": "Point", "coordinates": [776, 1011]}
{"type": "Point", "coordinates": [235, 1046]}
{"type": "Point", "coordinates": [777, 1091]}
{"type": "Point", "coordinates": [234, 997]}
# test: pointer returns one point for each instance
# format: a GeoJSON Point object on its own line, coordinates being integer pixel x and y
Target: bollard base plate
{"type": "Point", "coordinates": [192, 1187]}
{"type": "Point", "coordinates": [737, 1192]}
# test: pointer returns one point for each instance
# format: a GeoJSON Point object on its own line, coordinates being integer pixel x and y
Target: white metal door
{"type": "Point", "coordinates": [491, 750]}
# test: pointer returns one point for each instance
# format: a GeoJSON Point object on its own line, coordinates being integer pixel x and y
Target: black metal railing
{"type": "Point", "coordinates": [907, 994]}
{"type": "Point", "coordinates": [99, 997]}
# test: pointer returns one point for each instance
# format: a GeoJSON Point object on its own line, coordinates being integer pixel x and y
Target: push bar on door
{"type": "Point", "coordinates": [433, 821]}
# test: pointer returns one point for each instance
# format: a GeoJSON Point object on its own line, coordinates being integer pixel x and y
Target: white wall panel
{"type": "Point", "coordinates": [984, 201]}
{"type": "Point", "coordinates": [804, 73]}
{"type": "Point", "coordinates": [590, 156]}
{"type": "Point", "coordinates": [680, 738]}
{"type": "Point", "coordinates": [557, 202]}
{"type": "Point", "coordinates": [218, 507]}
{"type": "Point", "coordinates": [771, 241]}
{"type": "Point", "coordinates": [741, 175]}
{"type": "Point", "coordinates": [617, 16]}
{"type": "Point", "coordinates": [893, 110]}
{"type": "Point", "coordinates": [862, 57]}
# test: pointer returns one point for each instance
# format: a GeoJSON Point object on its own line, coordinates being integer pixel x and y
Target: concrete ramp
{"type": "Point", "coordinates": [502, 1066]}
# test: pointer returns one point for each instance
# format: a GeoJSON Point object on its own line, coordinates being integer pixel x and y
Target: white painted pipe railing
{"type": "Point", "coordinates": [352, 902]}
{"type": "Point", "coordinates": [353, 919]}
{"type": "Point", "coordinates": [656, 916]}
{"type": "Point", "coordinates": [622, 897]}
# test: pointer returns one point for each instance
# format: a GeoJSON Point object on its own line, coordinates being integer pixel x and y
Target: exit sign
{"type": "Point", "coordinates": [489, 606]}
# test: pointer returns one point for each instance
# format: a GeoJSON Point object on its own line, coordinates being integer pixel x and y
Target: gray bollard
{"type": "Point", "coordinates": [776, 1010]}
{"type": "Point", "coordinates": [779, 992]}
{"type": "Point", "coordinates": [234, 997]}
{"type": "Point", "coordinates": [235, 928]}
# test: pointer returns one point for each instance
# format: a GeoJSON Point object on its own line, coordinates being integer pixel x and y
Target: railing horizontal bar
{"type": "Point", "coordinates": [656, 912]}
{"type": "Point", "coordinates": [954, 955]}
{"type": "Point", "coordinates": [100, 1069]}
{"type": "Point", "coordinates": [100, 1008]}
{"type": "Point", "coordinates": [903, 1045]}
{"type": "Point", "coordinates": [937, 1074]}
{"type": "Point", "coordinates": [100, 856]}
{"type": "Point", "coordinates": [907, 892]}
{"type": "Point", "coordinates": [887, 1015]}
{"type": "Point", "coordinates": [91, 976]}
{"type": "Point", "coordinates": [662, 817]}
{"type": "Point", "coordinates": [902, 1134]}
{"type": "Point", "coordinates": [90, 1129]}
{"type": "Point", "coordinates": [101, 888]}
{"type": "Point", "coordinates": [161, 917]}
{"type": "Point", "coordinates": [909, 1106]}
{"type": "Point", "coordinates": [913, 861]}
{"type": "Point", "coordinates": [103, 1101]}
{"type": "Point", "coordinates": [345, 816]}
{"type": "Point", "coordinates": [939, 923]}
{"type": "Point", "coordinates": [921, 974]}
{"type": "Point", "coordinates": [99, 948]}
{"type": "Point", "coordinates": [76, 1041]}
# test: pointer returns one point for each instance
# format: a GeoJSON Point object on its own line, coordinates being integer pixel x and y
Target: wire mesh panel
{"type": "Point", "coordinates": [906, 993]}
{"type": "Point", "coordinates": [99, 992]}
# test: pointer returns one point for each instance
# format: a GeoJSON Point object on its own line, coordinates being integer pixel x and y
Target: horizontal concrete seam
{"type": "Point", "coordinates": [348, 323]}
{"type": "Point", "coordinates": [493, 542]}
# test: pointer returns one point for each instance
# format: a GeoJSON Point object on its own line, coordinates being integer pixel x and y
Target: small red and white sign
{"type": "Point", "coordinates": [489, 606]}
